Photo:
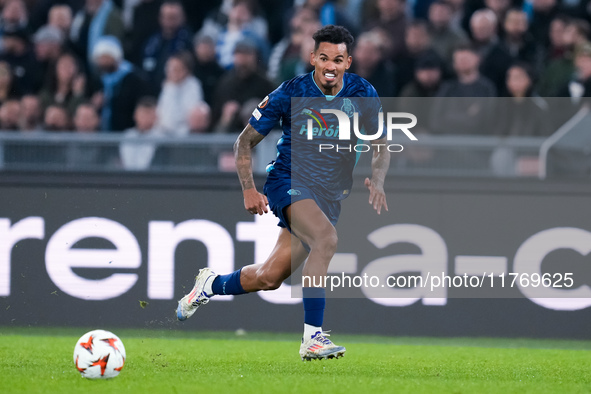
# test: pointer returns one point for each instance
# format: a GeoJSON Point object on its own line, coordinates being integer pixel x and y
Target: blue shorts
{"type": "Point", "coordinates": [281, 193]}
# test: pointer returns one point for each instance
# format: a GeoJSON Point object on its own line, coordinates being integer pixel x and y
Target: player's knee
{"type": "Point", "coordinates": [327, 243]}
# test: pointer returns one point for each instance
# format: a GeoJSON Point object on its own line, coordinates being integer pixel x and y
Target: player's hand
{"type": "Point", "coordinates": [255, 202]}
{"type": "Point", "coordinates": [377, 197]}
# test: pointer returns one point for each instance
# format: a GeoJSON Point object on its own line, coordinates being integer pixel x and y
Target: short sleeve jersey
{"type": "Point", "coordinates": [304, 158]}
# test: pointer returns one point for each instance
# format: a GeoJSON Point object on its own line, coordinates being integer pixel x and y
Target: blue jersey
{"type": "Point", "coordinates": [297, 103]}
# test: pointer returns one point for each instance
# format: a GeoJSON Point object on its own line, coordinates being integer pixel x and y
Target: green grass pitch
{"type": "Point", "coordinates": [40, 361]}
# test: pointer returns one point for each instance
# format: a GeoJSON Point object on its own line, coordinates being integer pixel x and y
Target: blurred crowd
{"type": "Point", "coordinates": [175, 67]}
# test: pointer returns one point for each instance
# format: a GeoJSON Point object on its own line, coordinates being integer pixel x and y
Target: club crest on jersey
{"type": "Point", "coordinates": [348, 108]}
{"type": "Point", "coordinates": [264, 103]}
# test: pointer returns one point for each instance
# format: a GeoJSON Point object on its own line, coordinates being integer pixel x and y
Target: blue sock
{"type": "Point", "coordinates": [228, 284]}
{"type": "Point", "coordinates": [314, 303]}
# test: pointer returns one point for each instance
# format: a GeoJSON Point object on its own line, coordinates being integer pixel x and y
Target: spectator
{"type": "Point", "coordinates": [174, 37]}
{"type": "Point", "coordinates": [14, 16]}
{"type": "Point", "coordinates": [544, 11]}
{"type": "Point", "coordinates": [469, 82]}
{"type": "Point", "coordinates": [287, 51]}
{"type": "Point", "coordinates": [241, 25]}
{"type": "Point", "coordinates": [79, 156]}
{"type": "Point", "coordinates": [464, 116]}
{"type": "Point", "coordinates": [559, 72]}
{"type": "Point", "coordinates": [51, 11]}
{"type": "Point", "coordinates": [415, 96]}
{"type": "Point", "coordinates": [10, 114]}
{"type": "Point", "coordinates": [9, 88]}
{"type": "Point", "coordinates": [523, 113]}
{"type": "Point", "coordinates": [121, 86]}
{"type": "Point", "coordinates": [239, 84]}
{"type": "Point", "coordinates": [30, 113]}
{"type": "Point", "coordinates": [391, 17]}
{"type": "Point", "coordinates": [494, 60]}
{"type": "Point", "coordinates": [229, 121]}
{"type": "Point", "coordinates": [137, 155]}
{"type": "Point", "coordinates": [557, 47]}
{"type": "Point", "coordinates": [86, 119]}
{"type": "Point", "coordinates": [200, 119]}
{"type": "Point", "coordinates": [17, 52]}
{"type": "Point", "coordinates": [65, 86]}
{"type": "Point", "coordinates": [98, 18]}
{"type": "Point", "coordinates": [216, 22]}
{"type": "Point", "coordinates": [127, 7]}
{"type": "Point", "coordinates": [197, 11]}
{"type": "Point", "coordinates": [301, 64]}
{"type": "Point", "coordinates": [580, 84]}
{"type": "Point", "coordinates": [583, 67]}
{"type": "Point", "coordinates": [355, 12]}
{"type": "Point", "coordinates": [518, 42]}
{"type": "Point", "coordinates": [458, 12]}
{"type": "Point", "coordinates": [428, 75]}
{"type": "Point", "coordinates": [500, 8]}
{"type": "Point", "coordinates": [444, 37]}
{"type": "Point", "coordinates": [417, 44]}
{"type": "Point", "coordinates": [60, 17]}
{"type": "Point", "coordinates": [48, 47]}
{"type": "Point", "coordinates": [371, 65]}
{"type": "Point", "coordinates": [207, 69]}
{"type": "Point", "coordinates": [43, 154]}
{"type": "Point", "coordinates": [56, 118]}
{"type": "Point", "coordinates": [330, 14]}
{"type": "Point", "coordinates": [144, 25]}
{"type": "Point", "coordinates": [245, 112]}
{"type": "Point", "coordinates": [180, 93]}
{"type": "Point", "coordinates": [277, 26]}
{"type": "Point", "coordinates": [236, 115]}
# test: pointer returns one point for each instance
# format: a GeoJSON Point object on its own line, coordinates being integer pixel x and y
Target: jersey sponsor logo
{"type": "Point", "coordinates": [264, 103]}
{"type": "Point", "coordinates": [317, 117]}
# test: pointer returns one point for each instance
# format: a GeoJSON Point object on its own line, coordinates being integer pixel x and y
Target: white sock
{"type": "Point", "coordinates": [309, 330]}
{"type": "Point", "coordinates": [208, 284]}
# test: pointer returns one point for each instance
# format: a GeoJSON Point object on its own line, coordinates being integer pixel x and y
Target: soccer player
{"type": "Point", "coordinates": [304, 187]}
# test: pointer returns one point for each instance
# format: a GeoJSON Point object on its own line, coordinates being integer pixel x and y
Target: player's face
{"type": "Point", "coordinates": [330, 62]}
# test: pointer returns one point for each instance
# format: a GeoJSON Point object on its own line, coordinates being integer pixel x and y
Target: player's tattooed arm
{"type": "Point", "coordinates": [379, 167]}
{"type": "Point", "coordinates": [254, 202]}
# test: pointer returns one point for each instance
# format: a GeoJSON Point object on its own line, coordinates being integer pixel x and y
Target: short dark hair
{"type": "Point", "coordinates": [186, 58]}
{"type": "Point", "coordinates": [467, 47]}
{"type": "Point", "coordinates": [418, 24]}
{"type": "Point", "coordinates": [147, 102]}
{"type": "Point", "coordinates": [176, 3]}
{"type": "Point", "coordinates": [527, 68]}
{"type": "Point", "coordinates": [335, 35]}
{"type": "Point", "coordinates": [441, 3]}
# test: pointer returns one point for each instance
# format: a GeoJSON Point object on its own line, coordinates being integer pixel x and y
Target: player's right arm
{"type": "Point", "coordinates": [254, 202]}
{"type": "Point", "coordinates": [264, 118]}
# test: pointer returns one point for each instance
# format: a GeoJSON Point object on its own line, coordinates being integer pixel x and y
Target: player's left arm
{"type": "Point", "coordinates": [379, 167]}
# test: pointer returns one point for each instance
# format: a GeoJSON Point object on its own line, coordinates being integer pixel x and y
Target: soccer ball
{"type": "Point", "coordinates": [99, 354]}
